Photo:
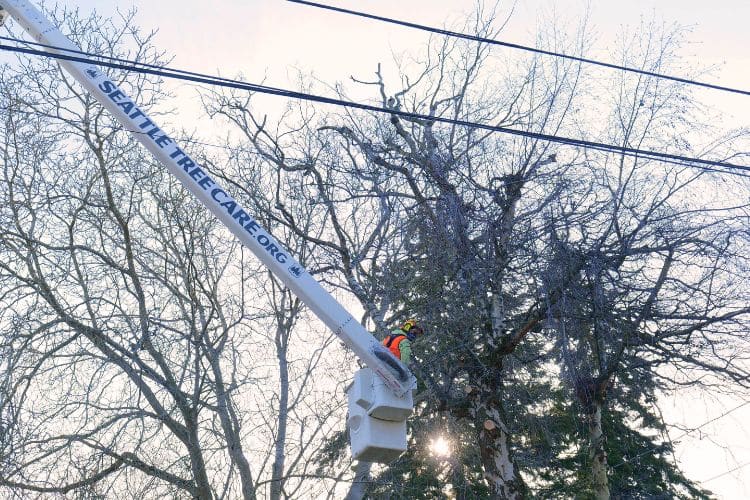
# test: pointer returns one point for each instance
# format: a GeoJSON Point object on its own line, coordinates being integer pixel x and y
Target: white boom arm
{"type": "Point", "coordinates": [396, 376]}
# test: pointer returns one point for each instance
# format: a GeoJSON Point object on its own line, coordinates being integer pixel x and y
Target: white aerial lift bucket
{"type": "Point", "coordinates": [377, 419]}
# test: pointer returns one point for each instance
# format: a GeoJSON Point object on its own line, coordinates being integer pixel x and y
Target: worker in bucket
{"type": "Point", "coordinates": [399, 341]}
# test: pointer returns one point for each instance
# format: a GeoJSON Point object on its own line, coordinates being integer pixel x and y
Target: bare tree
{"type": "Point", "coordinates": [121, 320]}
{"type": "Point", "coordinates": [405, 201]}
{"type": "Point", "coordinates": [138, 334]}
{"type": "Point", "coordinates": [295, 406]}
{"type": "Point", "coordinates": [143, 353]}
{"type": "Point", "coordinates": [504, 247]}
{"type": "Point", "coordinates": [661, 255]}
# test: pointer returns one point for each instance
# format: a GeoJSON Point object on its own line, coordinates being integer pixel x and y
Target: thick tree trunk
{"type": "Point", "coordinates": [277, 471]}
{"type": "Point", "coordinates": [230, 426]}
{"type": "Point", "coordinates": [500, 470]}
{"type": "Point", "coordinates": [598, 455]}
{"type": "Point", "coordinates": [197, 464]}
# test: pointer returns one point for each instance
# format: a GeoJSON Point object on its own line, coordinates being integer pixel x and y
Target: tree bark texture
{"type": "Point", "coordinates": [277, 474]}
{"type": "Point", "coordinates": [500, 470]}
{"type": "Point", "coordinates": [598, 455]}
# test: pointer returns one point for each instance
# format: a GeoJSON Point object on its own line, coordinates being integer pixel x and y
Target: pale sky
{"type": "Point", "coordinates": [267, 38]}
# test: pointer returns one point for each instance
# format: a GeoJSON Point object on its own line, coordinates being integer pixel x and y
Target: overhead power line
{"type": "Point", "coordinates": [726, 472]}
{"type": "Point", "coordinates": [492, 41]}
{"type": "Point", "coordinates": [98, 58]}
{"type": "Point", "coordinates": [163, 71]}
{"type": "Point", "coordinates": [635, 458]}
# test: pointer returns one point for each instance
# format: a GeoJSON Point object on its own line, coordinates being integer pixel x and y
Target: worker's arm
{"type": "Point", "coordinates": [405, 348]}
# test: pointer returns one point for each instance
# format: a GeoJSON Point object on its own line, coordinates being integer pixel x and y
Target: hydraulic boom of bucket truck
{"type": "Point", "coordinates": [381, 394]}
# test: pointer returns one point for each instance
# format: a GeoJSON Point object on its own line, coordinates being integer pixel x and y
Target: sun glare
{"type": "Point", "coordinates": [440, 447]}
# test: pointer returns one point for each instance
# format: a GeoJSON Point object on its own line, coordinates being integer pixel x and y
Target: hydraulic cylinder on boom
{"type": "Point", "coordinates": [391, 373]}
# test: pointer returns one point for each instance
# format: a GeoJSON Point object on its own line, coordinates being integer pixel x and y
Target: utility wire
{"type": "Point", "coordinates": [639, 455]}
{"type": "Point", "coordinates": [167, 72]}
{"type": "Point", "coordinates": [492, 41]}
{"type": "Point", "coordinates": [725, 473]}
{"type": "Point", "coordinates": [99, 58]}
{"type": "Point", "coordinates": [140, 67]}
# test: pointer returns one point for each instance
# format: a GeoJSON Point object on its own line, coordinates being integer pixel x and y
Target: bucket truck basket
{"type": "Point", "coordinates": [377, 419]}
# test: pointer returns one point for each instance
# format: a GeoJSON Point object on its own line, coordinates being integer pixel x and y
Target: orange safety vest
{"type": "Point", "coordinates": [392, 343]}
